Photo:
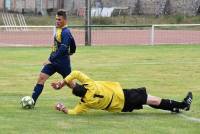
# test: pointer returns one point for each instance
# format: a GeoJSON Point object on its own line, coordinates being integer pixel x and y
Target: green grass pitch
{"type": "Point", "coordinates": [166, 71]}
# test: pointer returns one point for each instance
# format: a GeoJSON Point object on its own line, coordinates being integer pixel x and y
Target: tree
{"type": "Point", "coordinates": [137, 9]}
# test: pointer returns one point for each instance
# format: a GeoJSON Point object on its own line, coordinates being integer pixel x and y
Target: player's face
{"type": "Point", "coordinates": [60, 21]}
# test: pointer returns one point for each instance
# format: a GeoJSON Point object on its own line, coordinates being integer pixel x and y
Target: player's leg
{"type": "Point", "coordinates": [46, 72]}
{"type": "Point", "coordinates": [170, 105]}
{"type": "Point", "coordinates": [39, 86]}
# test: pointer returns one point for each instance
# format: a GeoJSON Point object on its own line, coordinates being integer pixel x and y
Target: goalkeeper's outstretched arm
{"type": "Point", "coordinates": [78, 109]}
{"type": "Point", "coordinates": [58, 85]}
{"type": "Point", "coordinates": [70, 80]}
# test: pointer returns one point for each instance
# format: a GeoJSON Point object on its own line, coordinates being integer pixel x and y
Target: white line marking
{"type": "Point", "coordinates": [190, 118]}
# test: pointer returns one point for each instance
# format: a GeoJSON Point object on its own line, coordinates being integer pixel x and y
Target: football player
{"type": "Point", "coordinates": [59, 59]}
{"type": "Point", "coordinates": [110, 96]}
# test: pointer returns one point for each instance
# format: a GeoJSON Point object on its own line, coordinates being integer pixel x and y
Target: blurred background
{"type": "Point", "coordinates": [103, 22]}
{"type": "Point", "coordinates": [107, 11]}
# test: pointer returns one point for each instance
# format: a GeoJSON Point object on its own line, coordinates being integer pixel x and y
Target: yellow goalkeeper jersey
{"type": "Point", "coordinates": [103, 95]}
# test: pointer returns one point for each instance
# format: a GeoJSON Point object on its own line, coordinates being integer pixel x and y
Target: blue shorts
{"type": "Point", "coordinates": [50, 69]}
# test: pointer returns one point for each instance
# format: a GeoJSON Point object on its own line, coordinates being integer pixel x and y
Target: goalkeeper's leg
{"type": "Point", "coordinates": [170, 105]}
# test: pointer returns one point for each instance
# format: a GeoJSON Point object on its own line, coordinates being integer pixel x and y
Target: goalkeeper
{"type": "Point", "coordinates": [109, 96]}
{"type": "Point", "coordinates": [59, 59]}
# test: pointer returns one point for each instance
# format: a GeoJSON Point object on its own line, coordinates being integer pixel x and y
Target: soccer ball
{"type": "Point", "coordinates": [27, 102]}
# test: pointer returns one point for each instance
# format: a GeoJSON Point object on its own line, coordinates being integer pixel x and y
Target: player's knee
{"type": "Point", "coordinates": [152, 100]}
{"type": "Point", "coordinates": [155, 102]}
{"type": "Point", "coordinates": [42, 78]}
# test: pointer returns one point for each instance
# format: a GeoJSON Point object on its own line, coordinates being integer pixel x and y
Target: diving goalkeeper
{"type": "Point", "coordinates": [109, 96]}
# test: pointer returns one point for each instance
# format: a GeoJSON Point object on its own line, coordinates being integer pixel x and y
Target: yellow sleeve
{"type": "Point", "coordinates": [79, 76]}
{"type": "Point", "coordinates": [79, 108]}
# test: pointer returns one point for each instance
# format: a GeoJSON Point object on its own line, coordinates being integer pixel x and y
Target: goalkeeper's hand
{"type": "Point", "coordinates": [57, 85]}
{"type": "Point", "coordinates": [61, 107]}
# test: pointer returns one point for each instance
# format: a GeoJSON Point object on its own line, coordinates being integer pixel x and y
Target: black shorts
{"type": "Point", "coordinates": [134, 99]}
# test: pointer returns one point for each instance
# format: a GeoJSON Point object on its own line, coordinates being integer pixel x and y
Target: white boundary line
{"type": "Point", "coordinates": [190, 118]}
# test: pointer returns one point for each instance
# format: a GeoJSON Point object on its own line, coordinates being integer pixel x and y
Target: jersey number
{"type": "Point", "coordinates": [99, 96]}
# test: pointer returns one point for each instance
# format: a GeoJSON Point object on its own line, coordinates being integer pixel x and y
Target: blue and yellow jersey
{"type": "Point", "coordinates": [64, 45]}
{"type": "Point", "coordinates": [103, 95]}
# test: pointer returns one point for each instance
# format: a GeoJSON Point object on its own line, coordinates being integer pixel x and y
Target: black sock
{"type": "Point", "coordinates": [37, 91]}
{"type": "Point", "coordinates": [170, 105]}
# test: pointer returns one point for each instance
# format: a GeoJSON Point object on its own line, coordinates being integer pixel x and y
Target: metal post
{"type": "Point", "coordinates": [87, 22]}
{"type": "Point", "coordinates": [4, 5]}
{"type": "Point", "coordinates": [41, 4]}
{"type": "Point", "coordinates": [184, 9]}
{"type": "Point", "coordinates": [152, 34]}
{"type": "Point", "coordinates": [35, 7]}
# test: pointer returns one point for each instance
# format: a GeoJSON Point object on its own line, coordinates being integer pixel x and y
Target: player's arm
{"type": "Point", "coordinates": [79, 108]}
{"type": "Point", "coordinates": [77, 75]}
{"type": "Point", "coordinates": [58, 85]}
{"type": "Point", "coordinates": [70, 80]}
{"type": "Point", "coordinates": [64, 47]}
{"type": "Point", "coordinates": [72, 46]}
{"type": "Point", "coordinates": [62, 50]}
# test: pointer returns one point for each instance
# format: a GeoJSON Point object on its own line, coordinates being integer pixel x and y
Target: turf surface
{"type": "Point", "coordinates": [166, 71]}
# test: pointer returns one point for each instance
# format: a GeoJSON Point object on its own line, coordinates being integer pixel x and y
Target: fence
{"type": "Point", "coordinates": [10, 19]}
{"type": "Point", "coordinates": [105, 35]}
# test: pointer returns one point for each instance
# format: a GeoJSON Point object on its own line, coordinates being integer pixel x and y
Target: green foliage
{"type": "Point", "coordinates": [179, 19]}
{"type": "Point", "coordinates": [138, 10]}
{"type": "Point", "coordinates": [166, 71]}
{"type": "Point", "coordinates": [118, 20]}
{"type": "Point", "coordinates": [50, 20]}
{"type": "Point", "coordinates": [102, 20]}
{"type": "Point", "coordinates": [40, 20]}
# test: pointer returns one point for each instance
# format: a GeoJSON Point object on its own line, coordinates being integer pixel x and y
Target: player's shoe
{"type": "Point", "coordinates": [175, 110]}
{"type": "Point", "coordinates": [188, 101]}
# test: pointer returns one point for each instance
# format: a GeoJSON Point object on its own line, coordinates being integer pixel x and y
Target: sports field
{"type": "Point", "coordinates": [168, 71]}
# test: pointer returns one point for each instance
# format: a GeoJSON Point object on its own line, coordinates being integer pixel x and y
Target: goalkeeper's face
{"type": "Point", "coordinates": [60, 21]}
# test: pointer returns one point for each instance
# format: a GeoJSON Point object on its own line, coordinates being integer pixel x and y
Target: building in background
{"type": "Point", "coordinates": [76, 7]}
{"type": "Point", "coordinates": [31, 6]}
{"type": "Point", "coordinates": [1, 5]}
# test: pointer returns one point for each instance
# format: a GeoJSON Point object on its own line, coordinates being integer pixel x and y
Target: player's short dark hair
{"type": "Point", "coordinates": [79, 90]}
{"type": "Point", "coordinates": [62, 12]}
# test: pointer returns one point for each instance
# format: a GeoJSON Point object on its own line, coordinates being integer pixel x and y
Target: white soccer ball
{"type": "Point", "coordinates": [27, 102]}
